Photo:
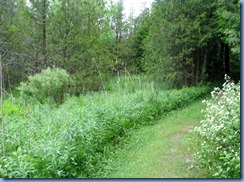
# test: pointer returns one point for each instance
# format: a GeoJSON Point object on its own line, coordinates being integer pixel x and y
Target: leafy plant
{"type": "Point", "coordinates": [218, 150]}
{"type": "Point", "coordinates": [13, 110]}
{"type": "Point", "coordinates": [49, 84]}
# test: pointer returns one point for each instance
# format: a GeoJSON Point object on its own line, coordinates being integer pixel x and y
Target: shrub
{"type": "Point", "coordinates": [49, 84]}
{"type": "Point", "coordinates": [218, 149]}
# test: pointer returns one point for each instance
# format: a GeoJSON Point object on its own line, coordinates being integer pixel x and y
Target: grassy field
{"type": "Point", "coordinates": [77, 138]}
{"type": "Point", "coordinates": [162, 150]}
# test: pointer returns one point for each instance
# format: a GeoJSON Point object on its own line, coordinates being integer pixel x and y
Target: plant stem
{"type": "Point", "coordinates": [100, 75]}
{"type": "Point", "coordinates": [2, 112]}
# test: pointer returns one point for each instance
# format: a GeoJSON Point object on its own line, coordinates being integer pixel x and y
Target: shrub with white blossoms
{"type": "Point", "coordinates": [218, 150]}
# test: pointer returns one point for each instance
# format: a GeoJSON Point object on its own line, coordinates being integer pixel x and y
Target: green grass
{"type": "Point", "coordinates": [129, 83]}
{"type": "Point", "coordinates": [162, 150]}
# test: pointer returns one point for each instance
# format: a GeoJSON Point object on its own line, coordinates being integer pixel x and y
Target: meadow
{"type": "Point", "coordinates": [77, 137]}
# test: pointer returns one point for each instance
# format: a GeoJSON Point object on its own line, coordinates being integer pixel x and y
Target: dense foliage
{"type": "Point", "coordinates": [76, 138]}
{"type": "Point", "coordinates": [49, 84]}
{"type": "Point", "coordinates": [193, 41]}
{"type": "Point", "coordinates": [218, 150]}
{"type": "Point", "coordinates": [182, 43]}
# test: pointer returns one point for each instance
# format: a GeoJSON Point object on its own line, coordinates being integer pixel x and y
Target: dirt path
{"type": "Point", "coordinates": [161, 150]}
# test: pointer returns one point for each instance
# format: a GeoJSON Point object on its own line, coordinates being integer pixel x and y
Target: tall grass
{"type": "Point", "coordinates": [76, 138]}
{"type": "Point", "coordinates": [130, 83]}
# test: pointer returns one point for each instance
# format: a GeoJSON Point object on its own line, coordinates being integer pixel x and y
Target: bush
{"type": "Point", "coordinates": [49, 84]}
{"type": "Point", "coordinates": [218, 149]}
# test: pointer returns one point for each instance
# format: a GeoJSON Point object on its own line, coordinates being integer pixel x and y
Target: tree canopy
{"type": "Point", "coordinates": [182, 43]}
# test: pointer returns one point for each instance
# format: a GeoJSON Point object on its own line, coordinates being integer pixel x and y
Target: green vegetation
{"type": "Point", "coordinates": [218, 148]}
{"type": "Point", "coordinates": [130, 83]}
{"type": "Point", "coordinates": [162, 150]}
{"type": "Point", "coordinates": [192, 41]}
{"type": "Point", "coordinates": [94, 41]}
{"type": "Point", "coordinates": [49, 84]}
{"type": "Point", "coordinates": [75, 138]}
{"type": "Point", "coordinates": [84, 77]}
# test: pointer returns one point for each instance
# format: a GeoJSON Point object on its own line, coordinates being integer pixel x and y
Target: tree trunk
{"type": "Point", "coordinates": [2, 115]}
{"type": "Point", "coordinates": [36, 63]}
{"type": "Point", "coordinates": [227, 60]}
{"type": "Point", "coordinates": [221, 56]}
{"type": "Point", "coordinates": [204, 65]}
{"type": "Point", "coordinates": [44, 33]}
{"type": "Point", "coordinates": [197, 66]}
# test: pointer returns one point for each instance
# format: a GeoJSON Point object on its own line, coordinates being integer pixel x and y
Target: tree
{"type": "Point", "coordinates": [140, 33]}
{"type": "Point", "coordinates": [14, 28]}
{"type": "Point", "coordinates": [184, 42]}
{"type": "Point", "coordinates": [228, 21]}
{"type": "Point", "coordinates": [39, 10]}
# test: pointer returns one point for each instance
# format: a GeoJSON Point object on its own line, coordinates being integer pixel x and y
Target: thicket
{"type": "Point", "coordinates": [76, 138]}
{"type": "Point", "coordinates": [49, 84]}
{"type": "Point", "coordinates": [218, 149]}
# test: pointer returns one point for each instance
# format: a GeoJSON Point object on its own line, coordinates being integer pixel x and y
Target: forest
{"type": "Point", "coordinates": [78, 78]}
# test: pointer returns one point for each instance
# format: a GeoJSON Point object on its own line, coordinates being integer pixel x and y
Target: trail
{"type": "Point", "coordinates": [162, 150]}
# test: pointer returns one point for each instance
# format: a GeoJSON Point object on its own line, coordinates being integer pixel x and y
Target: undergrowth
{"type": "Point", "coordinates": [76, 138]}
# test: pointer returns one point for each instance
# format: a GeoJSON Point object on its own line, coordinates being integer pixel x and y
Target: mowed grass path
{"type": "Point", "coordinates": [162, 150]}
